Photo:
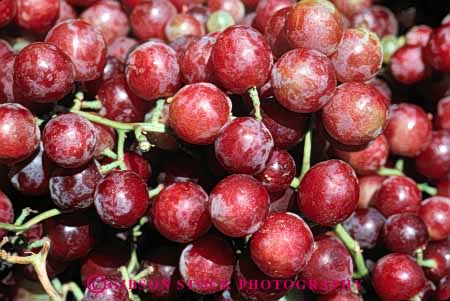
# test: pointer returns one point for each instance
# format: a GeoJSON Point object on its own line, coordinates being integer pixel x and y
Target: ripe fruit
{"type": "Point", "coordinates": [434, 161]}
{"type": "Point", "coordinates": [19, 133]}
{"type": "Point", "coordinates": [378, 19]}
{"type": "Point", "coordinates": [368, 187]}
{"type": "Point", "coordinates": [397, 194]}
{"type": "Point", "coordinates": [121, 198]}
{"type": "Point", "coordinates": [328, 193]}
{"type": "Point", "coordinates": [437, 51]}
{"type": "Point", "coordinates": [350, 8]}
{"type": "Point", "coordinates": [88, 55]}
{"type": "Point", "coordinates": [207, 260]}
{"type": "Point", "coordinates": [37, 15]}
{"type": "Point", "coordinates": [198, 112]}
{"type": "Point", "coordinates": [244, 145]}
{"type": "Point", "coordinates": [303, 80]}
{"type": "Point", "coordinates": [408, 130]}
{"type": "Point", "coordinates": [315, 24]}
{"type": "Point", "coordinates": [397, 277]}
{"type": "Point", "coordinates": [183, 25]}
{"type": "Point", "coordinates": [358, 57]}
{"type": "Point", "coordinates": [42, 73]}
{"type": "Point", "coordinates": [365, 225]}
{"type": "Point", "coordinates": [404, 233]}
{"type": "Point", "coordinates": [241, 59]}
{"type": "Point", "coordinates": [356, 114]}
{"type": "Point", "coordinates": [419, 35]}
{"type": "Point", "coordinates": [267, 8]}
{"type": "Point", "coordinates": [275, 32]}
{"type": "Point", "coordinates": [69, 140]}
{"type": "Point", "coordinates": [239, 204]}
{"type": "Point", "coordinates": [104, 288]}
{"type": "Point", "coordinates": [435, 213]}
{"type": "Point", "coordinates": [8, 9]}
{"type": "Point", "coordinates": [443, 114]}
{"type": "Point", "coordinates": [282, 246]}
{"type": "Point", "coordinates": [330, 262]}
{"type": "Point", "coordinates": [72, 236]}
{"type": "Point", "coordinates": [279, 171]}
{"type": "Point", "coordinates": [408, 65]}
{"type": "Point", "coordinates": [440, 253]}
{"type": "Point", "coordinates": [180, 212]}
{"type": "Point", "coordinates": [152, 71]}
{"type": "Point", "coordinates": [6, 212]}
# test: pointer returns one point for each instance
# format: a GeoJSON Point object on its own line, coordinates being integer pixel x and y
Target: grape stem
{"type": "Point", "coordinates": [253, 93]}
{"type": "Point", "coordinates": [110, 154]}
{"type": "Point", "coordinates": [295, 183]}
{"type": "Point", "coordinates": [122, 135]}
{"type": "Point", "coordinates": [306, 164]}
{"type": "Point", "coordinates": [91, 105]}
{"type": "Point", "coordinates": [35, 220]}
{"type": "Point", "coordinates": [73, 288]}
{"type": "Point", "coordinates": [398, 171]}
{"type": "Point", "coordinates": [38, 261]}
{"type": "Point", "coordinates": [354, 248]}
{"type": "Point", "coordinates": [155, 191]}
{"type": "Point", "coordinates": [427, 263]}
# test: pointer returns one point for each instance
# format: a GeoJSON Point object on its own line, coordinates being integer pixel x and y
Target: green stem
{"type": "Point", "coordinates": [427, 189]}
{"type": "Point", "coordinates": [400, 164]}
{"type": "Point", "coordinates": [23, 215]}
{"type": "Point", "coordinates": [144, 144]}
{"type": "Point", "coordinates": [110, 154]}
{"type": "Point", "coordinates": [144, 273]}
{"type": "Point", "coordinates": [91, 105]}
{"type": "Point", "coordinates": [74, 289]}
{"type": "Point", "coordinates": [157, 111]}
{"type": "Point", "coordinates": [295, 183]}
{"type": "Point", "coordinates": [108, 167]}
{"type": "Point", "coordinates": [37, 243]}
{"type": "Point", "coordinates": [427, 263]}
{"type": "Point", "coordinates": [101, 120]}
{"type": "Point", "coordinates": [35, 220]}
{"type": "Point", "coordinates": [126, 277]}
{"type": "Point", "coordinates": [253, 93]}
{"type": "Point", "coordinates": [155, 191]}
{"type": "Point", "coordinates": [353, 246]}
{"type": "Point", "coordinates": [306, 164]}
{"type": "Point", "coordinates": [122, 136]}
{"type": "Point", "coordinates": [416, 298]}
{"type": "Point", "coordinates": [385, 171]}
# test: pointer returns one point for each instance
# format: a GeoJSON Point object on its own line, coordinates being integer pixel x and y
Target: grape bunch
{"type": "Point", "coordinates": [224, 150]}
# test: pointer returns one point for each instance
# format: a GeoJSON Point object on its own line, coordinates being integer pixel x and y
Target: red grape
{"type": "Point", "coordinates": [368, 160]}
{"type": "Point", "coordinates": [241, 59]}
{"type": "Point", "coordinates": [37, 15]}
{"type": "Point", "coordinates": [73, 190]}
{"type": "Point", "coordinates": [404, 233]}
{"type": "Point", "coordinates": [419, 35]}
{"type": "Point", "coordinates": [180, 212]}
{"type": "Point", "coordinates": [315, 24]}
{"type": "Point", "coordinates": [275, 32]}
{"type": "Point", "coordinates": [279, 171]}
{"type": "Point", "coordinates": [103, 288]}
{"type": "Point", "coordinates": [149, 18]}
{"type": "Point", "coordinates": [287, 128]}
{"type": "Point", "coordinates": [207, 265]}
{"type": "Point", "coordinates": [121, 198]}
{"type": "Point", "coordinates": [358, 57]}
{"type": "Point", "coordinates": [69, 140]}
{"type": "Point", "coordinates": [434, 161]}
{"type": "Point", "coordinates": [244, 145]}
{"type": "Point", "coordinates": [152, 71]}
{"type": "Point", "coordinates": [6, 212]}
{"type": "Point", "coordinates": [440, 253]}
{"type": "Point", "coordinates": [368, 187]}
{"type": "Point", "coordinates": [350, 8]}
{"type": "Point", "coordinates": [382, 87]}
{"type": "Point", "coordinates": [42, 73]}
{"type": "Point", "coordinates": [266, 9]}
{"type": "Point", "coordinates": [239, 205]}
{"type": "Point", "coordinates": [109, 18]}
{"type": "Point", "coordinates": [182, 44]}
{"type": "Point", "coordinates": [442, 120]}
{"type": "Point", "coordinates": [120, 47]}
{"type": "Point", "coordinates": [303, 80]}
{"type": "Point", "coordinates": [437, 51]}
{"type": "Point", "coordinates": [397, 277]}
{"type": "Point", "coordinates": [356, 114]}
{"type": "Point", "coordinates": [397, 194]}
{"type": "Point", "coordinates": [66, 12]}
{"type": "Point", "coordinates": [328, 192]}
{"type": "Point", "coordinates": [283, 245]}
{"type": "Point", "coordinates": [137, 164]}
{"type": "Point", "coordinates": [330, 262]}
{"type": "Point", "coordinates": [365, 226]}
{"type": "Point", "coordinates": [443, 291]}
{"type": "Point", "coordinates": [82, 3]}
{"type": "Point", "coordinates": [198, 112]}
{"type": "Point", "coordinates": [19, 133]}
{"type": "Point", "coordinates": [106, 138]}
{"type": "Point", "coordinates": [8, 10]}
{"type": "Point", "coordinates": [31, 177]}
{"type": "Point", "coordinates": [196, 65]}
{"type": "Point", "coordinates": [119, 102]}
{"type": "Point", "coordinates": [408, 66]}
{"type": "Point", "coordinates": [408, 130]}
{"type": "Point", "coordinates": [183, 25]}
{"type": "Point", "coordinates": [5, 49]}
{"type": "Point", "coordinates": [72, 236]}
{"type": "Point", "coordinates": [112, 68]}
{"type": "Point", "coordinates": [378, 19]}
{"type": "Point", "coordinates": [340, 295]}
{"type": "Point", "coordinates": [435, 213]}
{"type": "Point", "coordinates": [88, 54]}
